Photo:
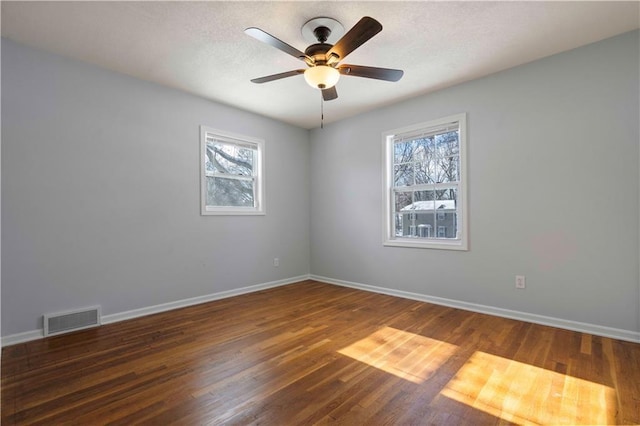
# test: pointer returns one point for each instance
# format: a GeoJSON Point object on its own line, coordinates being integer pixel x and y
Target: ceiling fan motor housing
{"type": "Point", "coordinates": [317, 52]}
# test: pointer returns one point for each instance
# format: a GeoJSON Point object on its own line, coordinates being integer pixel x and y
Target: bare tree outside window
{"type": "Point", "coordinates": [232, 160]}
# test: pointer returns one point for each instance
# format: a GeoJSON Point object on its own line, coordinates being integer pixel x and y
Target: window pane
{"type": "Point", "coordinates": [452, 225]}
{"type": "Point", "coordinates": [402, 200]}
{"type": "Point", "coordinates": [423, 200]}
{"type": "Point", "coordinates": [447, 144]}
{"type": "Point", "coordinates": [222, 192]}
{"type": "Point", "coordinates": [425, 148]}
{"type": "Point", "coordinates": [403, 175]}
{"type": "Point", "coordinates": [415, 223]}
{"type": "Point", "coordinates": [231, 159]}
{"type": "Point", "coordinates": [425, 171]}
{"type": "Point", "coordinates": [448, 222]}
{"type": "Point", "coordinates": [426, 214]}
{"type": "Point", "coordinates": [398, 224]}
{"type": "Point", "coordinates": [446, 217]}
{"type": "Point", "coordinates": [448, 170]}
{"type": "Point", "coordinates": [421, 221]}
{"type": "Point", "coordinates": [449, 198]}
{"type": "Point", "coordinates": [403, 152]}
{"type": "Point", "coordinates": [421, 155]}
{"type": "Point", "coordinates": [423, 224]}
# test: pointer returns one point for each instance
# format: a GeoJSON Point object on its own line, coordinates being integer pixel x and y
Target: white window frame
{"type": "Point", "coordinates": [389, 237]}
{"type": "Point", "coordinates": [257, 177]}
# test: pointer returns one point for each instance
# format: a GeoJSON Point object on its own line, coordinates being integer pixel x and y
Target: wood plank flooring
{"type": "Point", "coordinates": [314, 353]}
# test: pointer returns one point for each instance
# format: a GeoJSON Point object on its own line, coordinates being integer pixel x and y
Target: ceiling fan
{"type": "Point", "coordinates": [323, 59]}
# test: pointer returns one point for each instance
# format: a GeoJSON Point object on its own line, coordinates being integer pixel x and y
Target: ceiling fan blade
{"type": "Point", "coordinates": [330, 94]}
{"type": "Point", "coordinates": [357, 36]}
{"type": "Point", "coordinates": [371, 72]}
{"type": "Point", "coordinates": [277, 76]}
{"type": "Point", "coordinates": [267, 38]}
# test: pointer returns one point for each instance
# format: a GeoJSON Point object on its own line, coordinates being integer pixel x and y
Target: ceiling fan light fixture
{"type": "Point", "coordinates": [321, 76]}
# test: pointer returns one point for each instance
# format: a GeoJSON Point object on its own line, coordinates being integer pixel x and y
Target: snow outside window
{"type": "Point", "coordinates": [425, 185]}
{"type": "Point", "coordinates": [232, 173]}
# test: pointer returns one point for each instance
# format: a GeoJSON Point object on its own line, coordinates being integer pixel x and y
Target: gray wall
{"type": "Point", "coordinates": [100, 194]}
{"type": "Point", "coordinates": [553, 191]}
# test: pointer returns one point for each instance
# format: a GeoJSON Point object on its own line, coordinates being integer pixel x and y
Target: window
{"type": "Point", "coordinates": [425, 185]}
{"type": "Point", "coordinates": [232, 173]}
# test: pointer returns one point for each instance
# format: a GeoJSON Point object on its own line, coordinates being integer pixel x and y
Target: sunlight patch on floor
{"type": "Point", "coordinates": [406, 355]}
{"type": "Point", "coordinates": [525, 394]}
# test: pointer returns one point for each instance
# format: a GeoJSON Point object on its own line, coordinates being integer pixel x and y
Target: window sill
{"type": "Point", "coordinates": [232, 212]}
{"type": "Point", "coordinates": [430, 244]}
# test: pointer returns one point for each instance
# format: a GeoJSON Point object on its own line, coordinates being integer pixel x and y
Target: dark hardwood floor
{"type": "Point", "coordinates": [311, 353]}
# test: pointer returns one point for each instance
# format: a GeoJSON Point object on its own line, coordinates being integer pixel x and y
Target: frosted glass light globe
{"type": "Point", "coordinates": [322, 76]}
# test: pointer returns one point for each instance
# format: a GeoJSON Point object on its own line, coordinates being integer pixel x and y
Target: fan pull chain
{"type": "Point", "coordinates": [321, 110]}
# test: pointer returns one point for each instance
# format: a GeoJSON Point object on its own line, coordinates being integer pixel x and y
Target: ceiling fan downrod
{"type": "Point", "coordinates": [322, 33]}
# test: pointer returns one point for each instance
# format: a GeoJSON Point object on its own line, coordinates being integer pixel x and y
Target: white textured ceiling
{"type": "Point", "coordinates": [200, 47]}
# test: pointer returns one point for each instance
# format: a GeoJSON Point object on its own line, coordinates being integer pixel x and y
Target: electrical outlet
{"type": "Point", "coordinates": [276, 262]}
{"type": "Point", "coordinates": [520, 282]}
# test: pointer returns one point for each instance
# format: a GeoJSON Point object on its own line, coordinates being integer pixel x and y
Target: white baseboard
{"type": "Point", "coordinates": [27, 336]}
{"type": "Point", "coordinates": [108, 319]}
{"type": "Point", "coordinates": [614, 333]}
{"type": "Point", "coordinates": [135, 313]}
